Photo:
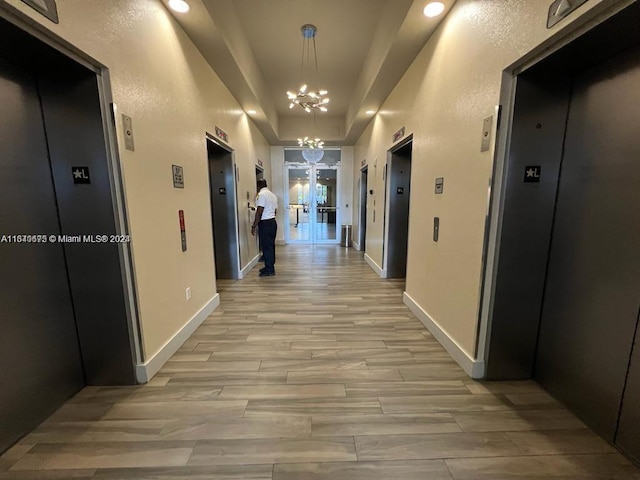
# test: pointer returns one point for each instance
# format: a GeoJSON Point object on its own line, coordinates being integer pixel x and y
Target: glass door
{"type": "Point", "coordinates": [299, 224]}
{"type": "Point", "coordinates": [326, 203]}
{"type": "Point", "coordinates": [313, 203]}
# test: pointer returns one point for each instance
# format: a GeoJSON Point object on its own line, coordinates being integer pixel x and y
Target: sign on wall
{"type": "Point", "coordinates": [222, 135]}
{"type": "Point", "coordinates": [47, 8]}
{"type": "Point", "coordinates": [178, 177]}
{"type": "Point", "coordinates": [398, 135]}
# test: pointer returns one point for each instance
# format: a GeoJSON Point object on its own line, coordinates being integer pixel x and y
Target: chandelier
{"type": "Point", "coordinates": [312, 149]}
{"type": "Point", "coordinates": [309, 100]}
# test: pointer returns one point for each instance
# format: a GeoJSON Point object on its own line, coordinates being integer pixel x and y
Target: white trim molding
{"type": "Point", "coordinates": [249, 267]}
{"type": "Point", "coordinates": [146, 370]}
{"type": "Point", "coordinates": [473, 368]}
{"type": "Point", "coordinates": [356, 245]}
{"type": "Point", "coordinates": [376, 268]}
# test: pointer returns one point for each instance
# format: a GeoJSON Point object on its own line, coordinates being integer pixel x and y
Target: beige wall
{"type": "Point", "coordinates": [161, 81]}
{"type": "Point", "coordinates": [442, 100]}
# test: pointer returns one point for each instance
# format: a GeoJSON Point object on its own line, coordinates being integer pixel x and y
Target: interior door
{"type": "Point", "coordinates": [39, 347]}
{"type": "Point", "coordinates": [222, 182]}
{"type": "Point", "coordinates": [363, 208]}
{"type": "Point", "coordinates": [593, 283]}
{"type": "Point", "coordinates": [300, 213]}
{"type": "Point", "coordinates": [398, 195]}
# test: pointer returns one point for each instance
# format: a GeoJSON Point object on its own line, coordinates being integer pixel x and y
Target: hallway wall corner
{"type": "Point", "coordinates": [475, 368]}
{"type": "Point", "coordinates": [146, 370]}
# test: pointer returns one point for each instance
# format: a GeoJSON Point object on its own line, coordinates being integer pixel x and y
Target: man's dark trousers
{"type": "Point", "coordinates": [267, 232]}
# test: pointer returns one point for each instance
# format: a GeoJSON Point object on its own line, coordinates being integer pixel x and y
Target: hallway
{"type": "Point", "coordinates": [320, 372]}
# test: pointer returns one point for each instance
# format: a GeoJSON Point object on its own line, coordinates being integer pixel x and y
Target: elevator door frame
{"type": "Point", "coordinates": [556, 48]}
{"type": "Point", "coordinates": [109, 115]}
{"type": "Point", "coordinates": [536, 98]}
{"type": "Point", "coordinates": [234, 272]}
{"type": "Point", "coordinates": [387, 204]}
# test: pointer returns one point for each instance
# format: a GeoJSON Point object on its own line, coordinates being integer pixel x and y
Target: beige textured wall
{"type": "Point", "coordinates": [442, 100]}
{"type": "Point", "coordinates": [161, 81]}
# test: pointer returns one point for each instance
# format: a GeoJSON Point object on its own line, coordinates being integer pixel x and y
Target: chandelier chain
{"type": "Point", "coordinates": [310, 98]}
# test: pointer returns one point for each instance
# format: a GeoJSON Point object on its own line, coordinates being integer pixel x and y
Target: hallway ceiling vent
{"type": "Point", "coordinates": [310, 99]}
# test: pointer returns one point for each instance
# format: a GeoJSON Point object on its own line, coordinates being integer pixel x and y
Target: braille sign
{"type": "Point", "coordinates": [80, 174]}
{"type": "Point", "coordinates": [178, 177]}
{"type": "Point", "coordinates": [532, 173]}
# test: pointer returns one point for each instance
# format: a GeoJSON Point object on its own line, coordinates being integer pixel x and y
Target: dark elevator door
{"type": "Point", "coordinates": [593, 285]}
{"type": "Point", "coordinates": [222, 182]}
{"type": "Point", "coordinates": [399, 195]}
{"type": "Point", "coordinates": [40, 363]}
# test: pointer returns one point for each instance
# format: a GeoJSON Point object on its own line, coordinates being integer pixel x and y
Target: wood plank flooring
{"type": "Point", "coordinates": [322, 373]}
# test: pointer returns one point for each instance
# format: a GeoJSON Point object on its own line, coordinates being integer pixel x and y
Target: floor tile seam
{"type": "Point", "coordinates": [547, 455]}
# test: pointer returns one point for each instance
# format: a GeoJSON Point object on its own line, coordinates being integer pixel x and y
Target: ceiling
{"type": "Point", "coordinates": [363, 49]}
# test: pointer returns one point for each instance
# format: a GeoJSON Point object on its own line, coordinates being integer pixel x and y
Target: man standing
{"type": "Point", "coordinates": [265, 221]}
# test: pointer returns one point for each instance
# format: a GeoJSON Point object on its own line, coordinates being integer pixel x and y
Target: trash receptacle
{"type": "Point", "coordinates": [345, 237]}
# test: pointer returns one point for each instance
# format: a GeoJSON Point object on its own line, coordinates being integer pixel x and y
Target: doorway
{"type": "Point", "coordinates": [397, 209]}
{"type": "Point", "coordinates": [224, 218]}
{"type": "Point", "coordinates": [313, 199]}
{"type": "Point", "coordinates": [64, 302]}
{"type": "Point", "coordinates": [566, 294]}
{"type": "Point", "coordinates": [362, 231]}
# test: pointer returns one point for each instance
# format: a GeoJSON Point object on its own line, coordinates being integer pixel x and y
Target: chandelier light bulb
{"type": "Point", "coordinates": [312, 150]}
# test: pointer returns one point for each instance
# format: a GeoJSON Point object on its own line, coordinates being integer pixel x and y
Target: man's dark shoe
{"type": "Point", "coordinates": [267, 274]}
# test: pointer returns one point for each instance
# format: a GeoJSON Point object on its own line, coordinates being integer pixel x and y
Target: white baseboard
{"type": "Point", "coordinates": [473, 368]}
{"type": "Point", "coordinates": [356, 246]}
{"type": "Point", "coordinates": [376, 268]}
{"type": "Point", "coordinates": [249, 267]}
{"type": "Point", "coordinates": [148, 369]}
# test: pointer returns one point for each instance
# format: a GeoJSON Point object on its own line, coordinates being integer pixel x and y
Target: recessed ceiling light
{"type": "Point", "coordinates": [370, 112]}
{"type": "Point", "coordinates": [251, 112]}
{"type": "Point", "coordinates": [434, 9]}
{"type": "Point", "coordinates": [179, 6]}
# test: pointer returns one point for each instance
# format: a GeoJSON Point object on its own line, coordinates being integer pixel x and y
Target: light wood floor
{"type": "Point", "coordinates": [317, 373]}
